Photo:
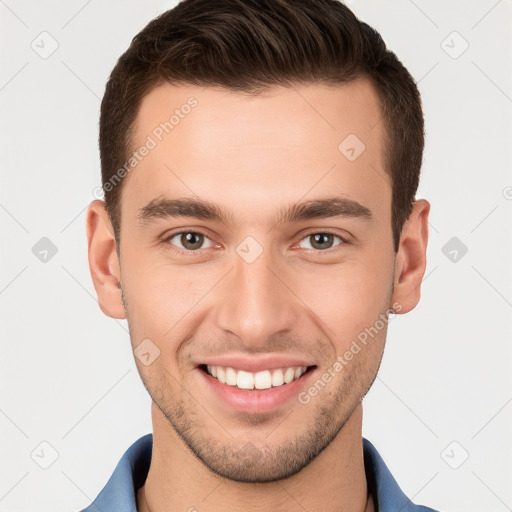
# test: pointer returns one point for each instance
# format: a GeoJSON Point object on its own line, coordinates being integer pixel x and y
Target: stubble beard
{"type": "Point", "coordinates": [244, 461]}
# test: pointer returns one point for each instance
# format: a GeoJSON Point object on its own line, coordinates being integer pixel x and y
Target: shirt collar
{"type": "Point", "coordinates": [120, 491]}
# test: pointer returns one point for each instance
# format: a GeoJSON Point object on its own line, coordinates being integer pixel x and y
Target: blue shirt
{"type": "Point", "coordinates": [119, 494]}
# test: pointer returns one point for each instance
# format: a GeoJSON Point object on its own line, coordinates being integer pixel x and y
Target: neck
{"type": "Point", "coordinates": [335, 480]}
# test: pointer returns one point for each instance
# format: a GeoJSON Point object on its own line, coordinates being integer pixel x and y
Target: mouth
{"type": "Point", "coordinates": [254, 392]}
{"type": "Point", "coordinates": [264, 379]}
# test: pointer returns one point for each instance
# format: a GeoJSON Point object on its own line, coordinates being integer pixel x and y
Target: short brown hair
{"type": "Point", "coordinates": [248, 46]}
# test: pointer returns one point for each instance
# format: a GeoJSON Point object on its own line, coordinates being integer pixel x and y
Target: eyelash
{"type": "Point", "coordinates": [167, 239]}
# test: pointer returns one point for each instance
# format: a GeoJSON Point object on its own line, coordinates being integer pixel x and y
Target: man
{"type": "Point", "coordinates": [260, 161]}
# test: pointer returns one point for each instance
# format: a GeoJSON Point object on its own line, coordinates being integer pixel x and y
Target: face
{"type": "Point", "coordinates": [267, 273]}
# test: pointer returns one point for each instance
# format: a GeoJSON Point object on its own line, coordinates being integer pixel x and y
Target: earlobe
{"type": "Point", "coordinates": [411, 258]}
{"type": "Point", "coordinates": [103, 260]}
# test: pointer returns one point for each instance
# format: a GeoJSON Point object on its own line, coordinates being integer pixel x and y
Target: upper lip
{"type": "Point", "coordinates": [256, 363]}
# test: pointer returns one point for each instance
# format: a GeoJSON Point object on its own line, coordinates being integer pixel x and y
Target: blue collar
{"type": "Point", "coordinates": [120, 491]}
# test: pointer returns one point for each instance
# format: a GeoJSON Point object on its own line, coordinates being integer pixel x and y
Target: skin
{"type": "Point", "coordinates": [254, 156]}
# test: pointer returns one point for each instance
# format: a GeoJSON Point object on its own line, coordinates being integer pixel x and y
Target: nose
{"type": "Point", "coordinates": [255, 303]}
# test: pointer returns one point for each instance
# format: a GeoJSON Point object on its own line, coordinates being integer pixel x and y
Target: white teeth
{"type": "Point", "coordinates": [289, 375]}
{"type": "Point", "coordinates": [298, 373]}
{"type": "Point", "coordinates": [230, 377]}
{"type": "Point", "coordinates": [245, 380]}
{"type": "Point", "coordinates": [221, 374]}
{"type": "Point", "coordinates": [260, 380]}
{"type": "Point", "coordinates": [277, 378]}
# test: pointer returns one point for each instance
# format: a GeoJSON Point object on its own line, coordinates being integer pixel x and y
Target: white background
{"type": "Point", "coordinates": [67, 372]}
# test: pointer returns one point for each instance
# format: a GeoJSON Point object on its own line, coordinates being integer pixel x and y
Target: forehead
{"type": "Point", "coordinates": [285, 143]}
{"type": "Point", "coordinates": [336, 110]}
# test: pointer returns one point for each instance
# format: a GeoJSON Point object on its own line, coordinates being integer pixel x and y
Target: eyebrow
{"type": "Point", "coordinates": [161, 208]}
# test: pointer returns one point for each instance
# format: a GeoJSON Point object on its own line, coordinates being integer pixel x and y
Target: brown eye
{"type": "Point", "coordinates": [189, 240]}
{"type": "Point", "coordinates": [321, 241]}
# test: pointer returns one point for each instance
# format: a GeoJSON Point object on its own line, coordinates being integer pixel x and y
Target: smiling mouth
{"type": "Point", "coordinates": [264, 379]}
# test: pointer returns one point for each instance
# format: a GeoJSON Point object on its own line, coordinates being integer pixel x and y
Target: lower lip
{"type": "Point", "coordinates": [256, 401]}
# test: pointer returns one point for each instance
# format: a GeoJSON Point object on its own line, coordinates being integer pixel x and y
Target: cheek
{"type": "Point", "coordinates": [160, 305]}
{"type": "Point", "coordinates": [348, 298]}
{"type": "Point", "coordinates": [162, 299]}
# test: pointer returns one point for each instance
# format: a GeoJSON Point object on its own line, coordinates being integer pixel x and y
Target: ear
{"type": "Point", "coordinates": [103, 260]}
{"type": "Point", "coordinates": [411, 258]}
